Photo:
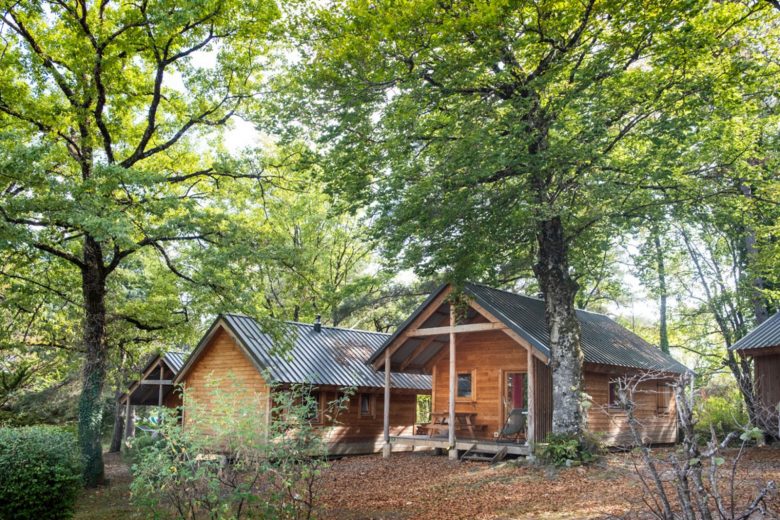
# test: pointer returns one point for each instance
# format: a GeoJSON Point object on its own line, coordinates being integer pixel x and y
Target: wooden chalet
{"type": "Point", "coordinates": [493, 365]}
{"type": "Point", "coordinates": [235, 350]}
{"type": "Point", "coordinates": [154, 387]}
{"type": "Point", "coordinates": [762, 344]}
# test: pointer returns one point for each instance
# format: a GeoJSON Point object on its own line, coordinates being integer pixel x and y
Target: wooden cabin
{"type": "Point", "coordinates": [236, 351]}
{"type": "Point", "coordinates": [762, 344]}
{"type": "Point", "coordinates": [495, 361]}
{"type": "Point", "coordinates": [154, 387]}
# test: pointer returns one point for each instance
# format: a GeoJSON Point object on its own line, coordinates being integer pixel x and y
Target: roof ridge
{"type": "Point", "coordinates": [536, 299]}
{"type": "Point", "coordinates": [337, 328]}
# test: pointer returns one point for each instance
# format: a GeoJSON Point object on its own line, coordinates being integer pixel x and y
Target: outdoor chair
{"type": "Point", "coordinates": [515, 425]}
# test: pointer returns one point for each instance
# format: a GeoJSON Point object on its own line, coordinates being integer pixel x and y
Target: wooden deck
{"type": "Point", "coordinates": [483, 445]}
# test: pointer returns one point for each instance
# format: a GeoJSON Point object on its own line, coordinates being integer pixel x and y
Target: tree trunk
{"type": "Point", "coordinates": [91, 400]}
{"type": "Point", "coordinates": [552, 272]}
{"type": "Point", "coordinates": [662, 291]}
{"type": "Point", "coordinates": [119, 426]}
{"type": "Point", "coordinates": [119, 420]}
{"type": "Point", "coordinates": [760, 309]}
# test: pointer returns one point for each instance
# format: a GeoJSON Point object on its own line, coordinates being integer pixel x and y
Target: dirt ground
{"type": "Point", "coordinates": [423, 486]}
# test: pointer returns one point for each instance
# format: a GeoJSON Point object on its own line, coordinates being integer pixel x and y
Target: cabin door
{"type": "Point", "coordinates": [515, 392]}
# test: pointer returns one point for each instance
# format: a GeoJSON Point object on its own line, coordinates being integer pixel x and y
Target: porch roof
{"type": "Point", "coordinates": [604, 341]}
{"type": "Point", "coordinates": [766, 335]}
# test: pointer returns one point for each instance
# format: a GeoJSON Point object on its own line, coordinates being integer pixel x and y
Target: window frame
{"type": "Point", "coordinates": [663, 391]}
{"type": "Point", "coordinates": [317, 419]}
{"type": "Point", "coordinates": [473, 375]}
{"type": "Point", "coordinates": [371, 414]}
{"type": "Point", "coordinates": [613, 404]}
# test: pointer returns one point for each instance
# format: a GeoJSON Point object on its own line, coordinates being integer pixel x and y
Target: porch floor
{"type": "Point", "coordinates": [483, 445]}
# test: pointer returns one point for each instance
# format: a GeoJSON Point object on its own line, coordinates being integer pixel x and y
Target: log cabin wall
{"type": "Point", "coordinates": [543, 400]}
{"type": "Point", "coordinates": [488, 356]}
{"type": "Point", "coordinates": [353, 432]}
{"type": "Point", "coordinates": [767, 369]}
{"type": "Point", "coordinates": [223, 360]}
{"type": "Point", "coordinates": [655, 410]}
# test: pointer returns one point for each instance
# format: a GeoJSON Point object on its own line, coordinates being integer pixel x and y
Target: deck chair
{"type": "Point", "coordinates": [515, 425]}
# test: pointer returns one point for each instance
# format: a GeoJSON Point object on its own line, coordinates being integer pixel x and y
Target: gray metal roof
{"type": "Point", "coordinates": [604, 341]}
{"type": "Point", "coordinates": [764, 336]}
{"type": "Point", "coordinates": [175, 360]}
{"type": "Point", "coordinates": [333, 356]}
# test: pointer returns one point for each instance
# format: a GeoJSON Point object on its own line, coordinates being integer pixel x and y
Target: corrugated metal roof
{"type": "Point", "coordinates": [604, 341]}
{"type": "Point", "coordinates": [333, 356]}
{"type": "Point", "coordinates": [175, 360]}
{"type": "Point", "coordinates": [764, 336]}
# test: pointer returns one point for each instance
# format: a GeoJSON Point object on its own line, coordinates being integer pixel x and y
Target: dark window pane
{"type": "Point", "coordinates": [365, 404]}
{"type": "Point", "coordinates": [464, 385]}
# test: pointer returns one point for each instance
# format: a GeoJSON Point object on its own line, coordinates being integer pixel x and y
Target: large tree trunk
{"type": "Point", "coordinates": [91, 401]}
{"type": "Point", "coordinates": [757, 298]}
{"type": "Point", "coordinates": [552, 272]}
{"type": "Point", "coordinates": [662, 290]}
{"type": "Point", "coordinates": [119, 425]}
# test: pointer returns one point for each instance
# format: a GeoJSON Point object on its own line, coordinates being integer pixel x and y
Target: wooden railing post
{"type": "Point", "coordinates": [386, 449]}
{"type": "Point", "coordinates": [453, 452]}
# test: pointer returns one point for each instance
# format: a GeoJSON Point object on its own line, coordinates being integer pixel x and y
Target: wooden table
{"type": "Point", "coordinates": [463, 420]}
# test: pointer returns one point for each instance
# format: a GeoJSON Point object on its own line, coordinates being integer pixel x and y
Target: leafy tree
{"type": "Point", "coordinates": [102, 105]}
{"type": "Point", "coordinates": [479, 132]}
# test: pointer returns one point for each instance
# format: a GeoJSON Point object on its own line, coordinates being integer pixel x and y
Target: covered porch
{"type": "Point", "coordinates": [491, 387]}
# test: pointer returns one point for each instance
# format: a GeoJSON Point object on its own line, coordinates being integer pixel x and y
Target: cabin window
{"type": "Point", "coordinates": [663, 398]}
{"type": "Point", "coordinates": [313, 414]}
{"type": "Point", "coordinates": [465, 385]}
{"type": "Point", "coordinates": [614, 399]}
{"type": "Point", "coordinates": [366, 405]}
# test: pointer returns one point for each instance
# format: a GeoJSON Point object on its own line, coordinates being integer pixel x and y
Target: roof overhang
{"type": "Point", "coordinates": [153, 363]}
{"type": "Point", "coordinates": [219, 324]}
{"type": "Point", "coordinates": [424, 334]}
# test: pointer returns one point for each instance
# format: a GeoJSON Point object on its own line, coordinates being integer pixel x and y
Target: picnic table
{"type": "Point", "coordinates": [464, 421]}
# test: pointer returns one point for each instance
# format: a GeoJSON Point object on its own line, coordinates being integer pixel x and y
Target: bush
{"type": "Point", "coordinates": [722, 409]}
{"type": "Point", "coordinates": [40, 473]}
{"type": "Point", "coordinates": [230, 461]}
{"type": "Point", "coordinates": [569, 450]}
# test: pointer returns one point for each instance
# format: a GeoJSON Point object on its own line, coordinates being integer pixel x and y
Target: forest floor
{"type": "Point", "coordinates": [422, 485]}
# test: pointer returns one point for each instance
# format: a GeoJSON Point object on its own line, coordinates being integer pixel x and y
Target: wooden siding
{"type": "Point", "coordinates": [768, 379]}
{"type": "Point", "coordinates": [352, 433]}
{"type": "Point", "coordinates": [488, 356]}
{"type": "Point", "coordinates": [659, 426]}
{"type": "Point", "coordinates": [543, 400]}
{"type": "Point", "coordinates": [224, 361]}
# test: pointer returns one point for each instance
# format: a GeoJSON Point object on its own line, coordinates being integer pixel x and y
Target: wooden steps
{"type": "Point", "coordinates": [474, 453]}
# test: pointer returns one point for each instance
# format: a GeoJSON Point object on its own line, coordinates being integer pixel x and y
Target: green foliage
{"type": "Point", "coordinates": [723, 409]}
{"type": "Point", "coordinates": [231, 461]}
{"type": "Point", "coordinates": [568, 450]}
{"type": "Point", "coordinates": [40, 473]}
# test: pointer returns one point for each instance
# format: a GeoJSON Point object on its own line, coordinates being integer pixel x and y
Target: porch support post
{"type": "Point", "coordinates": [129, 422]}
{"type": "Point", "coordinates": [531, 434]}
{"type": "Point", "coordinates": [160, 388]}
{"type": "Point", "coordinates": [453, 453]}
{"type": "Point", "coordinates": [387, 448]}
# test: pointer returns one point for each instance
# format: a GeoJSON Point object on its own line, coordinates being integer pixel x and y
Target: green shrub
{"type": "Point", "coordinates": [40, 473]}
{"type": "Point", "coordinates": [569, 450]}
{"type": "Point", "coordinates": [722, 409]}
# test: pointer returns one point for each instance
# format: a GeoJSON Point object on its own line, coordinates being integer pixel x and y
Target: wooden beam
{"type": "Point", "coordinates": [453, 451]}
{"type": "Point", "coordinates": [419, 349]}
{"type": "Point", "coordinates": [424, 315]}
{"type": "Point", "coordinates": [468, 327]}
{"type": "Point", "coordinates": [416, 352]}
{"type": "Point", "coordinates": [387, 448]}
{"type": "Point", "coordinates": [531, 422]}
{"type": "Point", "coordinates": [167, 382]}
{"type": "Point", "coordinates": [509, 332]}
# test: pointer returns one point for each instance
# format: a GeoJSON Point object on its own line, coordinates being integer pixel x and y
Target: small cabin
{"type": "Point", "coordinates": [237, 351]}
{"type": "Point", "coordinates": [762, 345]}
{"type": "Point", "coordinates": [154, 387]}
{"type": "Point", "coordinates": [491, 378]}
